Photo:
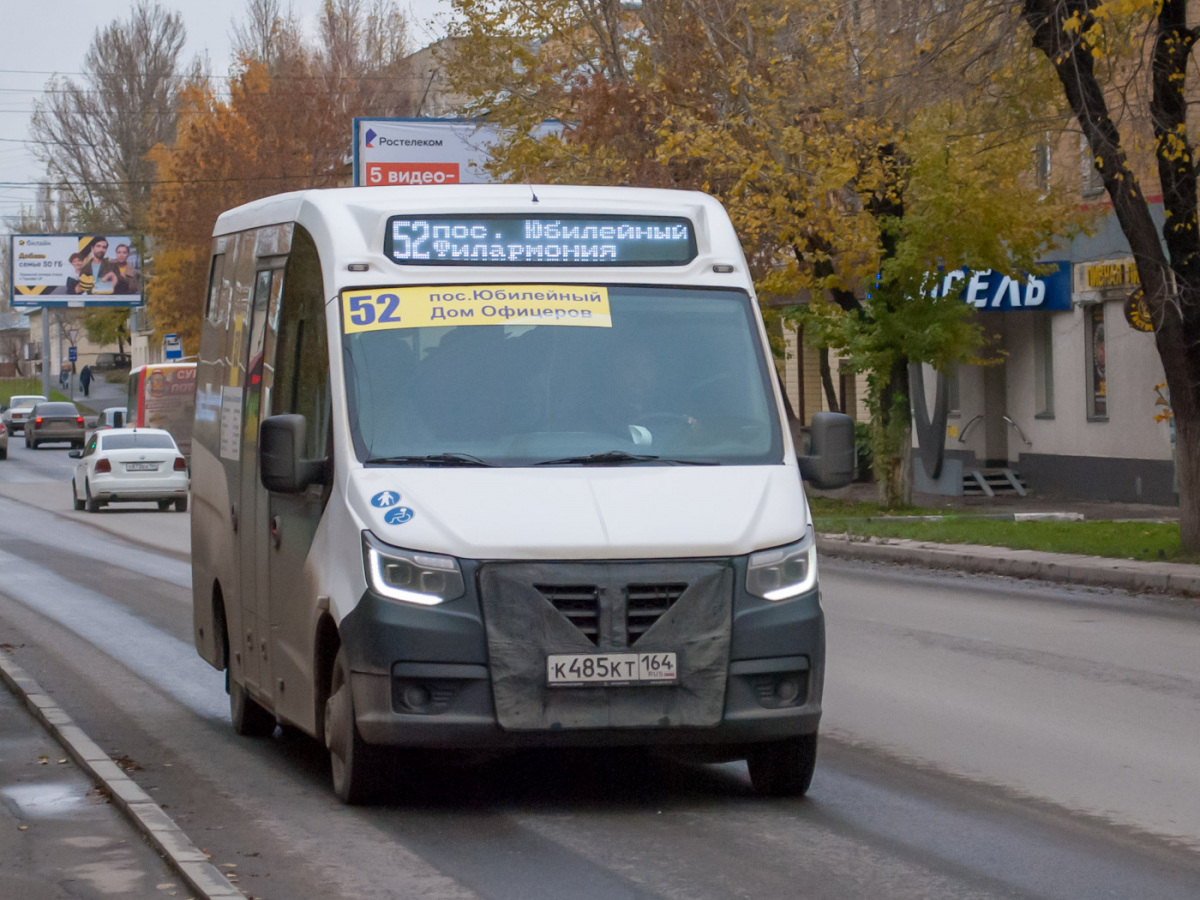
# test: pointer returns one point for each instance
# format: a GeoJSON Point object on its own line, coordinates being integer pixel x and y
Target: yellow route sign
{"type": "Point", "coordinates": [381, 309]}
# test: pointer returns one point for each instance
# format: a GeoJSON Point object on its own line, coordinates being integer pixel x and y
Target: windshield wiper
{"type": "Point", "coordinates": [619, 457]}
{"type": "Point", "coordinates": [433, 459]}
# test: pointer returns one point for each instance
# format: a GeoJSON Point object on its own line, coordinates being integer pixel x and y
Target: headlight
{"type": "Point", "coordinates": [784, 572]}
{"type": "Point", "coordinates": [410, 576]}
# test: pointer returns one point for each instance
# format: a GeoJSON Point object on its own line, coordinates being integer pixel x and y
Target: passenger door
{"type": "Point", "coordinates": [254, 521]}
{"type": "Point", "coordinates": [301, 386]}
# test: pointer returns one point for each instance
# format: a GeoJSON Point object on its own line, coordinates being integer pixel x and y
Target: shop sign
{"type": "Point", "coordinates": [991, 291]}
{"type": "Point", "coordinates": [1137, 312]}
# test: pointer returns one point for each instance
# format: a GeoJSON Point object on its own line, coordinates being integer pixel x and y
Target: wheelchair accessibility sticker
{"type": "Point", "coordinates": [384, 499]}
{"type": "Point", "coordinates": [398, 516]}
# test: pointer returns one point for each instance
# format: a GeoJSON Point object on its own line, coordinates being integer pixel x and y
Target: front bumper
{"type": "Point", "coordinates": [452, 676]}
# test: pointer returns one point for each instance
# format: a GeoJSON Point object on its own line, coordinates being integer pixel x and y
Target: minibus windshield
{"type": "Point", "coordinates": [666, 376]}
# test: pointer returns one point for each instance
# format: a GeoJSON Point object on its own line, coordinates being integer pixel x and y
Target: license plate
{"type": "Point", "coordinates": [573, 669]}
{"type": "Point", "coordinates": [141, 467]}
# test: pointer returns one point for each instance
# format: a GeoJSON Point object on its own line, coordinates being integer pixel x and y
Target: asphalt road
{"type": "Point", "coordinates": [983, 738]}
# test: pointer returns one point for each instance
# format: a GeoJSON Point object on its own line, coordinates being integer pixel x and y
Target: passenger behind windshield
{"type": "Point", "coordinates": [679, 375]}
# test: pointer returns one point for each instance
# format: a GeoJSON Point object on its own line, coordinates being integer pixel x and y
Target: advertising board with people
{"type": "Point", "coordinates": [75, 270]}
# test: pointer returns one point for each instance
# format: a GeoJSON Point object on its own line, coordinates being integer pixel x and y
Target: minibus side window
{"type": "Point", "coordinates": [302, 358]}
{"type": "Point", "coordinates": [212, 309]}
{"type": "Point", "coordinates": [245, 272]}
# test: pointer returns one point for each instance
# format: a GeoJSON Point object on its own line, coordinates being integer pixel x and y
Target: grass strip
{"type": "Point", "coordinates": [1147, 541]}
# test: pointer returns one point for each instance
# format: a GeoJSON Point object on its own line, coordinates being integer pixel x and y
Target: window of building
{"type": "Point", "coordinates": [848, 388]}
{"type": "Point", "coordinates": [1090, 180]}
{"type": "Point", "coordinates": [1097, 382]}
{"type": "Point", "coordinates": [1043, 366]}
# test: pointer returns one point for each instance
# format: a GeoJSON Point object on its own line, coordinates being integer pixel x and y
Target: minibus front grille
{"type": "Point", "coordinates": [646, 604]}
{"type": "Point", "coordinates": [579, 603]}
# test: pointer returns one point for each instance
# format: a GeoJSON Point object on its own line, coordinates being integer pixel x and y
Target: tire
{"type": "Point", "coordinates": [354, 764]}
{"type": "Point", "coordinates": [181, 504]}
{"type": "Point", "coordinates": [79, 504]}
{"type": "Point", "coordinates": [91, 504]}
{"type": "Point", "coordinates": [783, 768]}
{"type": "Point", "coordinates": [3, 453]}
{"type": "Point", "coordinates": [249, 718]}
{"type": "Point", "coordinates": [164, 505]}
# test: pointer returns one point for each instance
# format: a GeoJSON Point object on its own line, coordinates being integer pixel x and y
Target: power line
{"type": "Point", "coordinates": [152, 181]}
{"type": "Point", "coordinates": [182, 76]}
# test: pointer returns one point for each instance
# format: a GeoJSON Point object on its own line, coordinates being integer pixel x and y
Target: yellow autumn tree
{"type": "Point", "coordinates": [270, 135]}
{"type": "Point", "coordinates": [284, 124]}
{"type": "Point", "coordinates": [857, 148]}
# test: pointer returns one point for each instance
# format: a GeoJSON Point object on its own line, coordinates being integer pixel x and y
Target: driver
{"type": "Point", "coordinates": [644, 396]}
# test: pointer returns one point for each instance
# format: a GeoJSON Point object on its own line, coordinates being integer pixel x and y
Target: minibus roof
{"type": "Point", "coordinates": [349, 224]}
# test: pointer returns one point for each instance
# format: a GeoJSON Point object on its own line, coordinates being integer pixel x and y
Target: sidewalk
{"type": "Point", "coordinates": [60, 836]}
{"type": "Point", "coordinates": [1122, 574]}
{"type": "Point", "coordinates": [101, 394]}
{"type": "Point", "coordinates": [66, 811]}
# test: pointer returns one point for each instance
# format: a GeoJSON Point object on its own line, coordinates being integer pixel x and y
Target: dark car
{"type": "Point", "coordinates": [108, 361]}
{"type": "Point", "coordinates": [54, 422]}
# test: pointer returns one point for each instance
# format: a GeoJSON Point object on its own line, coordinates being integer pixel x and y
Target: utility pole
{"type": "Point", "coordinates": [46, 352]}
{"type": "Point", "coordinates": [72, 336]}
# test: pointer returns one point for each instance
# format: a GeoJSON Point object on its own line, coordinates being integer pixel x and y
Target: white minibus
{"type": "Point", "coordinates": [499, 466]}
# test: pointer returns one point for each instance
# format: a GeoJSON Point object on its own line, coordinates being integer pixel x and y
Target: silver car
{"type": "Point", "coordinates": [54, 422]}
{"type": "Point", "coordinates": [19, 408]}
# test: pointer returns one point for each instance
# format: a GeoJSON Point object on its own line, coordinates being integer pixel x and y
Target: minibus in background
{"type": "Point", "coordinates": [163, 395]}
{"type": "Point", "coordinates": [499, 466]}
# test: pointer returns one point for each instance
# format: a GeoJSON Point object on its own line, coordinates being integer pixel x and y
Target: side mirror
{"type": "Point", "coordinates": [830, 463]}
{"type": "Point", "coordinates": [280, 443]}
{"type": "Point", "coordinates": [75, 454]}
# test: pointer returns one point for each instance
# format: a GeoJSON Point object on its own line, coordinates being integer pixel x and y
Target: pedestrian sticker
{"type": "Point", "coordinates": [382, 309]}
{"type": "Point", "coordinates": [398, 516]}
{"type": "Point", "coordinates": [384, 499]}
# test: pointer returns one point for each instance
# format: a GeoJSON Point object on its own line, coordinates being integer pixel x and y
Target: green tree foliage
{"type": "Point", "coordinates": [107, 326]}
{"type": "Point", "coordinates": [858, 148]}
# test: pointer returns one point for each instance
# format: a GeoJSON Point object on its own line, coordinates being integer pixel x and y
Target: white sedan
{"type": "Point", "coordinates": [120, 465]}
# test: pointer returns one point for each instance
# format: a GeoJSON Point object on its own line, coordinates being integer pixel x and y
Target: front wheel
{"type": "Point", "coordinates": [353, 763]}
{"type": "Point", "coordinates": [164, 505]}
{"type": "Point", "coordinates": [783, 768]}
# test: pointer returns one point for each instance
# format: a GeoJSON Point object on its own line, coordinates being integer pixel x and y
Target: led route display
{"type": "Point", "coordinates": [520, 240]}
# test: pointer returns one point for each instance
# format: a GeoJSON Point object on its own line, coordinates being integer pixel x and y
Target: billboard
{"type": "Point", "coordinates": [424, 151]}
{"type": "Point", "coordinates": [76, 270]}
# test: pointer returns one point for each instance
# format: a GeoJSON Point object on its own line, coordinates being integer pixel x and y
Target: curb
{"type": "Point", "coordinates": [176, 847]}
{"type": "Point", "coordinates": [1129, 575]}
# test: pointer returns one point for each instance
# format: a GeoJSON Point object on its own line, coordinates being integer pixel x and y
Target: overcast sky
{"type": "Point", "coordinates": [51, 36]}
